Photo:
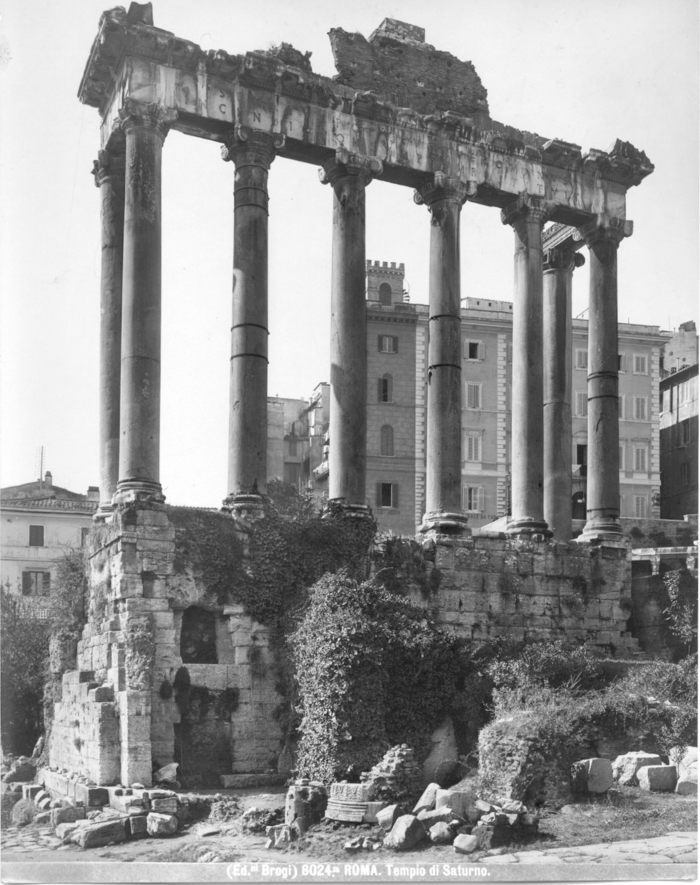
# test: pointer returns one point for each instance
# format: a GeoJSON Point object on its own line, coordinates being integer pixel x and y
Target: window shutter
{"type": "Point", "coordinates": [480, 499]}
{"type": "Point", "coordinates": [394, 494]}
{"type": "Point", "coordinates": [395, 348]}
{"type": "Point", "coordinates": [380, 390]}
{"type": "Point", "coordinates": [26, 582]}
{"type": "Point", "coordinates": [379, 494]}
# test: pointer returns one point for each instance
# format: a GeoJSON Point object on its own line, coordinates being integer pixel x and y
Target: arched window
{"type": "Point", "coordinates": [385, 393]}
{"type": "Point", "coordinates": [385, 294]}
{"type": "Point", "coordinates": [387, 440]}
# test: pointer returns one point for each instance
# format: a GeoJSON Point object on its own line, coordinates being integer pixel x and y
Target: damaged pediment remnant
{"type": "Point", "coordinates": [398, 62]}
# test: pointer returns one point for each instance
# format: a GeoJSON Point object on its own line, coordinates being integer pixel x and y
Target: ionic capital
{"type": "Point", "coordinates": [561, 259]}
{"type": "Point", "coordinates": [444, 189]}
{"type": "Point", "coordinates": [605, 229]}
{"type": "Point", "coordinates": [527, 209]}
{"type": "Point", "coordinates": [139, 115]}
{"type": "Point", "coordinates": [346, 165]}
{"type": "Point", "coordinates": [252, 146]}
{"type": "Point", "coordinates": [108, 165]}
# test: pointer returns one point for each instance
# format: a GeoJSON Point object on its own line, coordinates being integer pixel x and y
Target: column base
{"type": "Point", "coordinates": [602, 530]}
{"type": "Point", "coordinates": [104, 512]}
{"type": "Point", "coordinates": [528, 527]}
{"type": "Point", "coordinates": [246, 507]}
{"type": "Point", "coordinates": [445, 523]}
{"type": "Point", "coordinates": [131, 490]}
{"type": "Point", "coordinates": [338, 507]}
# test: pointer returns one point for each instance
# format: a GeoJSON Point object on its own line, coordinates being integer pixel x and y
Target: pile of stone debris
{"type": "Point", "coordinates": [395, 777]}
{"type": "Point", "coordinates": [639, 769]}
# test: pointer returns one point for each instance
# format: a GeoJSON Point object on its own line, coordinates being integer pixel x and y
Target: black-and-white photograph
{"type": "Point", "coordinates": [349, 396]}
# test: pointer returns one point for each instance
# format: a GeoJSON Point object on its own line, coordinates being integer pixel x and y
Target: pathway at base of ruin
{"type": "Point", "coordinates": [675, 847]}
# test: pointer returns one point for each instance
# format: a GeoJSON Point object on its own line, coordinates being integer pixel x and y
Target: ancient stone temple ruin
{"type": "Point", "coordinates": [403, 112]}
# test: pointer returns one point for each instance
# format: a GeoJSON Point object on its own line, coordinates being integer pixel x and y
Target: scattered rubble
{"type": "Point", "coordinates": [592, 775]}
{"type": "Point", "coordinates": [625, 767]}
{"type": "Point", "coordinates": [658, 778]}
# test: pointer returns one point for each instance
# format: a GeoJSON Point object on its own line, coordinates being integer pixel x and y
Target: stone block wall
{"type": "Point", "coordinates": [495, 587]}
{"type": "Point", "coordinates": [114, 719]}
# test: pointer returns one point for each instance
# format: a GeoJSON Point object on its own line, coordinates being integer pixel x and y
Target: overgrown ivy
{"type": "Point", "coordinates": [373, 671]}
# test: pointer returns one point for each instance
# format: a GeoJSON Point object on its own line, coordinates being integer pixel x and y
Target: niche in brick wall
{"type": "Point", "coordinates": [198, 636]}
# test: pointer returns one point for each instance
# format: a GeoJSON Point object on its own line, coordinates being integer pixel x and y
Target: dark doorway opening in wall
{"type": "Point", "coordinates": [578, 506]}
{"type": "Point", "coordinates": [198, 636]}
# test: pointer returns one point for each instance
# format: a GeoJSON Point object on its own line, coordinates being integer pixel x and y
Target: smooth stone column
{"type": "Point", "coordinates": [527, 215]}
{"type": "Point", "coordinates": [252, 153]}
{"type": "Point", "coordinates": [145, 127]}
{"type": "Point", "coordinates": [603, 236]}
{"type": "Point", "coordinates": [444, 198]}
{"type": "Point", "coordinates": [558, 266]}
{"type": "Point", "coordinates": [348, 174]}
{"type": "Point", "coordinates": [108, 170]}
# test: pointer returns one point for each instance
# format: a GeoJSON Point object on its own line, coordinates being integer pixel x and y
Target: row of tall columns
{"type": "Point", "coordinates": [129, 178]}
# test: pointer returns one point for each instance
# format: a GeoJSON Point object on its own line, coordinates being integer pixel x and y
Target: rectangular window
{"type": "Point", "coordinates": [385, 389]}
{"type": "Point", "coordinates": [640, 506]}
{"type": "Point", "coordinates": [473, 499]}
{"type": "Point", "coordinates": [36, 535]}
{"type": "Point", "coordinates": [388, 494]}
{"type": "Point", "coordinates": [621, 362]}
{"type": "Point", "coordinates": [666, 401]}
{"type": "Point", "coordinates": [685, 474]}
{"type": "Point", "coordinates": [640, 364]}
{"type": "Point", "coordinates": [388, 344]}
{"type": "Point", "coordinates": [473, 350]}
{"type": "Point", "coordinates": [581, 359]}
{"type": "Point", "coordinates": [621, 407]}
{"type": "Point", "coordinates": [685, 432]}
{"type": "Point", "coordinates": [640, 458]}
{"type": "Point", "coordinates": [640, 408]}
{"type": "Point", "coordinates": [581, 403]}
{"type": "Point", "coordinates": [473, 396]}
{"type": "Point", "coordinates": [473, 447]}
{"type": "Point", "coordinates": [36, 583]}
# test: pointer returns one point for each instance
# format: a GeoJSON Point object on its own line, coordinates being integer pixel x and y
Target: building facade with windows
{"type": "Point", "coordinates": [40, 523]}
{"type": "Point", "coordinates": [397, 378]}
{"type": "Point", "coordinates": [679, 441]}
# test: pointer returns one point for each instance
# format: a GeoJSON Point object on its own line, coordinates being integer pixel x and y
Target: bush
{"type": "Point", "coordinates": [24, 653]}
{"type": "Point", "coordinates": [372, 672]}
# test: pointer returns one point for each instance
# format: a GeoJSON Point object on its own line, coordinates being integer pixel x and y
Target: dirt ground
{"type": "Point", "coordinates": [633, 814]}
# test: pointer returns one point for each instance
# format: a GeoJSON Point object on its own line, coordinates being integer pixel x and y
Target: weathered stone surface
{"type": "Point", "coordinates": [441, 833]}
{"type": "Point", "coordinates": [493, 836]}
{"type": "Point", "coordinates": [166, 774]}
{"type": "Point", "coordinates": [91, 796]}
{"type": "Point", "coordinates": [462, 802]}
{"type": "Point", "coordinates": [443, 757]}
{"type": "Point", "coordinates": [464, 844]}
{"type": "Point", "coordinates": [23, 812]}
{"type": "Point", "coordinates": [436, 815]}
{"type": "Point", "coordinates": [349, 792]}
{"type": "Point", "coordinates": [427, 800]}
{"type": "Point", "coordinates": [686, 759]}
{"type": "Point", "coordinates": [98, 833]}
{"type": "Point", "coordinates": [66, 815]}
{"type": "Point", "coordinates": [406, 832]}
{"type": "Point", "coordinates": [278, 835]}
{"type": "Point", "coordinates": [65, 831]}
{"type": "Point", "coordinates": [657, 778]}
{"type": "Point", "coordinates": [165, 806]}
{"type": "Point", "coordinates": [30, 791]}
{"type": "Point", "coordinates": [137, 826]}
{"type": "Point", "coordinates": [161, 824]}
{"type": "Point", "coordinates": [386, 818]}
{"type": "Point", "coordinates": [373, 809]}
{"type": "Point", "coordinates": [592, 775]}
{"type": "Point", "coordinates": [20, 772]}
{"type": "Point", "coordinates": [625, 767]}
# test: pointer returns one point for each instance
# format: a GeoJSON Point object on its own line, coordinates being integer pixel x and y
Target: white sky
{"type": "Point", "coordinates": [584, 72]}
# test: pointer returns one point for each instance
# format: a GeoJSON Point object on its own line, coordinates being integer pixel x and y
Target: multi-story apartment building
{"type": "Point", "coordinates": [40, 523]}
{"type": "Point", "coordinates": [679, 425]}
{"type": "Point", "coordinates": [397, 373]}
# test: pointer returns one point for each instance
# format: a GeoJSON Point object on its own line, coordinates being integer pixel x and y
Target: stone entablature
{"type": "Point", "coordinates": [212, 90]}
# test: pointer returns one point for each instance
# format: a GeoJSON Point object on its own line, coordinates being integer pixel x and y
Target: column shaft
{"type": "Point", "coordinates": [558, 271]}
{"type": "Point", "coordinates": [603, 480]}
{"type": "Point", "coordinates": [109, 177]}
{"type": "Point", "coordinates": [349, 176]}
{"type": "Point", "coordinates": [139, 452]}
{"type": "Point", "coordinates": [444, 198]}
{"type": "Point", "coordinates": [252, 153]}
{"type": "Point", "coordinates": [527, 215]}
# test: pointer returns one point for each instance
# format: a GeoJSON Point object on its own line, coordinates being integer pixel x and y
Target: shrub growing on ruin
{"type": "Point", "coordinates": [372, 672]}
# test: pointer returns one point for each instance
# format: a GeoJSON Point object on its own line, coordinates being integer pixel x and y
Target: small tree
{"type": "Point", "coordinates": [24, 663]}
{"type": "Point", "coordinates": [682, 611]}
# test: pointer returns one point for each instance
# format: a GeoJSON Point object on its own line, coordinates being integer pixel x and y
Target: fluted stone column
{"type": "Point", "coordinates": [108, 170]}
{"type": "Point", "coordinates": [348, 174]}
{"type": "Point", "coordinates": [558, 266]}
{"type": "Point", "coordinates": [444, 197]}
{"type": "Point", "coordinates": [527, 215]}
{"type": "Point", "coordinates": [252, 153]}
{"type": "Point", "coordinates": [145, 127]}
{"type": "Point", "coordinates": [603, 236]}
